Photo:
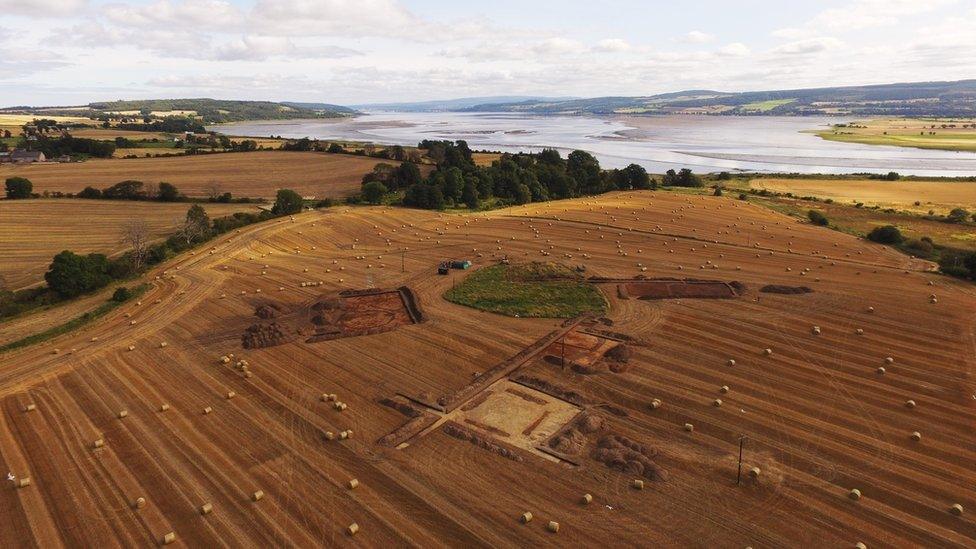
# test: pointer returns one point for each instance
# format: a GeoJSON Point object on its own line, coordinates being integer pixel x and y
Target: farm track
{"type": "Point", "coordinates": [818, 418]}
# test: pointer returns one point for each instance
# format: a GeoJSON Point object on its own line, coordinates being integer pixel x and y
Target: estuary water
{"type": "Point", "coordinates": [659, 143]}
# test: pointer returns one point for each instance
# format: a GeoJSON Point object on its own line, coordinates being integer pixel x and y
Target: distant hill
{"type": "Point", "coordinates": [208, 111]}
{"type": "Point", "coordinates": [215, 111]}
{"type": "Point", "coordinates": [320, 107]}
{"type": "Point", "coordinates": [454, 104]}
{"type": "Point", "coordinates": [907, 99]}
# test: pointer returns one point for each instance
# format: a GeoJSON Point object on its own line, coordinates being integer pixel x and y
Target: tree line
{"type": "Point", "coordinates": [519, 178]}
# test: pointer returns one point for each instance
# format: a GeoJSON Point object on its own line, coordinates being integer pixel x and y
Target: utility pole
{"type": "Point", "coordinates": [738, 478]}
{"type": "Point", "coordinates": [403, 254]}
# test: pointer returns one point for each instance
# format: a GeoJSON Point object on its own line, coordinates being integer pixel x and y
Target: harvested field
{"type": "Point", "coordinates": [33, 231]}
{"type": "Point", "coordinates": [274, 459]}
{"type": "Point", "coordinates": [255, 174]}
{"type": "Point", "coordinates": [676, 289]}
{"type": "Point", "coordinates": [940, 196]}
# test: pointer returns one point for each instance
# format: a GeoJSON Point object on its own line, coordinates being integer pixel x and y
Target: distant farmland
{"type": "Point", "coordinates": [256, 174]}
{"type": "Point", "coordinates": [33, 231]}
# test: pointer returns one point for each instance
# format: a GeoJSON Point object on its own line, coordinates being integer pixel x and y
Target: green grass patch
{"type": "Point", "coordinates": [540, 290]}
{"type": "Point", "coordinates": [765, 106]}
{"type": "Point", "coordinates": [74, 323]}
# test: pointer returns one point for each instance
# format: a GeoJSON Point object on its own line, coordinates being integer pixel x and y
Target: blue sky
{"type": "Point", "coordinates": [353, 51]}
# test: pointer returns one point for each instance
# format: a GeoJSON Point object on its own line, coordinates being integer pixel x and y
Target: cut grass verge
{"type": "Point", "coordinates": [540, 290]}
{"type": "Point", "coordinates": [72, 324]}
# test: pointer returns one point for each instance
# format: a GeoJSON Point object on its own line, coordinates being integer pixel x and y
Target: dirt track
{"type": "Point", "coordinates": [818, 419]}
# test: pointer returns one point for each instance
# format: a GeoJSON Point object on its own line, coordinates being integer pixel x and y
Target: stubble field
{"type": "Point", "coordinates": [33, 231]}
{"type": "Point", "coordinates": [818, 418]}
{"type": "Point", "coordinates": [254, 175]}
{"type": "Point", "coordinates": [940, 196]}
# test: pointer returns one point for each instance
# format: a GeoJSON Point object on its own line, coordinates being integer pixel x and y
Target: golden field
{"type": "Point", "coordinates": [134, 432]}
{"type": "Point", "coordinates": [255, 175]}
{"type": "Point", "coordinates": [940, 196]}
{"type": "Point", "coordinates": [33, 231]}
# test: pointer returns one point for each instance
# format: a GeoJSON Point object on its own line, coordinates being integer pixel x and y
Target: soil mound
{"type": "Point", "coordinates": [266, 311]}
{"type": "Point", "coordinates": [259, 336]}
{"type": "Point", "coordinates": [571, 440]}
{"type": "Point", "coordinates": [461, 433]}
{"type": "Point", "coordinates": [787, 290]}
{"type": "Point", "coordinates": [401, 407]}
{"type": "Point", "coordinates": [628, 456]}
{"type": "Point", "coordinates": [550, 389]}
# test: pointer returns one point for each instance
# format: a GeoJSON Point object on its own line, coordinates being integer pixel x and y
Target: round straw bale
{"type": "Point", "coordinates": [98, 443]}
{"type": "Point", "coordinates": [854, 494]}
{"type": "Point", "coordinates": [724, 389]}
{"type": "Point", "coordinates": [587, 499]}
{"type": "Point", "coordinates": [553, 526]}
{"type": "Point", "coordinates": [910, 403]}
{"type": "Point", "coordinates": [352, 529]}
{"type": "Point", "coordinates": [257, 495]}
{"type": "Point", "coordinates": [169, 538]}
{"type": "Point", "coordinates": [353, 483]}
{"type": "Point", "coordinates": [526, 517]}
{"type": "Point", "coordinates": [916, 436]}
{"type": "Point", "coordinates": [689, 427]}
{"type": "Point", "coordinates": [656, 403]}
{"type": "Point", "coordinates": [767, 352]}
{"type": "Point", "coordinates": [755, 472]}
{"type": "Point", "coordinates": [206, 509]}
{"type": "Point", "coordinates": [956, 509]}
{"type": "Point", "coordinates": [30, 407]}
{"type": "Point", "coordinates": [717, 402]}
{"type": "Point", "coordinates": [163, 407]}
{"type": "Point", "coordinates": [638, 484]}
{"type": "Point", "coordinates": [731, 362]}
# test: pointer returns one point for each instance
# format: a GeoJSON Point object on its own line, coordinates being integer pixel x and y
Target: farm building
{"type": "Point", "coordinates": [20, 156]}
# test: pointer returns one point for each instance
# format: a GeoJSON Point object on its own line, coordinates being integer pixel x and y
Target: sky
{"type": "Point", "coordinates": [71, 52]}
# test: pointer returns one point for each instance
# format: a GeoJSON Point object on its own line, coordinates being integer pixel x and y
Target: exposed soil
{"type": "Point", "coordinates": [677, 289]}
{"type": "Point", "coordinates": [627, 456]}
{"type": "Point", "coordinates": [363, 312]}
{"type": "Point", "coordinates": [787, 290]}
{"type": "Point", "coordinates": [456, 431]}
{"type": "Point", "coordinates": [259, 336]}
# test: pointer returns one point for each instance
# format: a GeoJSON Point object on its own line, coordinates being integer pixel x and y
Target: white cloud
{"type": "Point", "coordinates": [808, 46]}
{"type": "Point", "coordinates": [42, 8]}
{"type": "Point", "coordinates": [259, 48]}
{"type": "Point", "coordinates": [213, 14]}
{"type": "Point", "coordinates": [735, 49]}
{"type": "Point", "coordinates": [863, 14]}
{"type": "Point", "coordinates": [18, 62]}
{"type": "Point", "coordinates": [698, 37]}
{"type": "Point", "coordinates": [613, 45]}
{"type": "Point", "coordinates": [558, 46]}
{"type": "Point", "coordinates": [376, 50]}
